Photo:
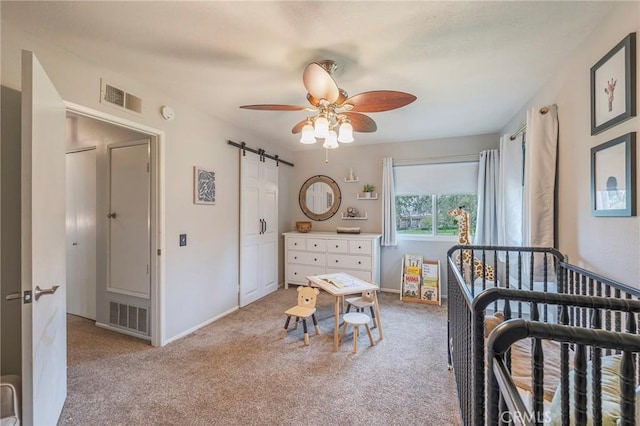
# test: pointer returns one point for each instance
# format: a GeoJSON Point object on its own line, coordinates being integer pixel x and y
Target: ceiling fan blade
{"type": "Point", "coordinates": [274, 107]}
{"type": "Point", "coordinates": [379, 100]}
{"type": "Point", "coordinates": [298, 127]}
{"type": "Point", "coordinates": [319, 83]}
{"type": "Point", "coordinates": [361, 123]}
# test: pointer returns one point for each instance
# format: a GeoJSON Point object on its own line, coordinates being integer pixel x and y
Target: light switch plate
{"type": "Point", "coordinates": [183, 240]}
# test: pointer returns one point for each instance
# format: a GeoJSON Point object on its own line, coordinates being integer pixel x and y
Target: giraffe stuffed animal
{"type": "Point", "coordinates": [462, 217]}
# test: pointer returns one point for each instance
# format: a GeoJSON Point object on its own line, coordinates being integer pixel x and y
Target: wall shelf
{"type": "Point", "coordinates": [354, 218]}
{"type": "Point", "coordinates": [362, 196]}
{"type": "Point", "coordinates": [347, 180]}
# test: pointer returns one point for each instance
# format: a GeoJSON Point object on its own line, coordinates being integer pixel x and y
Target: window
{"type": "Point", "coordinates": [424, 194]}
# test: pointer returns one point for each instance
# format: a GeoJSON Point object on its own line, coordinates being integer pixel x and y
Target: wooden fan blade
{"type": "Point", "coordinates": [298, 127]}
{"type": "Point", "coordinates": [319, 83]}
{"type": "Point", "coordinates": [274, 107]}
{"type": "Point", "coordinates": [361, 123]}
{"type": "Point", "coordinates": [379, 100]}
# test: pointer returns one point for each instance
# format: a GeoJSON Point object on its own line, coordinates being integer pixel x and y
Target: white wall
{"type": "Point", "coordinates": [200, 279]}
{"type": "Point", "coordinates": [608, 246]}
{"type": "Point", "coordinates": [366, 161]}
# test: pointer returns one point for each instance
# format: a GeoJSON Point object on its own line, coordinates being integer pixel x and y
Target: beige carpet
{"type": "Point", "coordinates": [237, 371]}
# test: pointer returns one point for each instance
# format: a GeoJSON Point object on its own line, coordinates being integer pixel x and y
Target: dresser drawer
{"type": "Point", "coordinates": [316, 244]}
{"type": "Point", "coordinates": [306, 258]}
{"type": "Point", "coordinates": [360, 247]}
{"type": "Point", "coordinates": [299, 273]}
{"type": "Point", "coordinates": [296, 243]}
{"type": "Point", "coordinates": [337, 246]}
{"type": "Point", "coordinates": [353, 262]}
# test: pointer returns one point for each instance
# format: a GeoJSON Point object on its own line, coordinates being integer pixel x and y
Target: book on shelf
{"type": "Point", "coordinates": [412, 264]}
{"type": "Point", "coordinates": [429, 293]}
{"type": "Point", "coordinates": [411, 285]}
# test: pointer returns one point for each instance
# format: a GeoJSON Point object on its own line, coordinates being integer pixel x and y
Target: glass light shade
{"type": "Point", "coordinates": [346, 133]}
{"type": "Point", "coordinates": [331, 141]}
{"type": "Point", "coordinates": [321, 127]}
{"type": "Point", "coordinates": [307, 135]}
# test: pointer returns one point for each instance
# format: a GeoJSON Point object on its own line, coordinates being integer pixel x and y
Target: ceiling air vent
{"type": "Point", "coordinates": [111, 95]}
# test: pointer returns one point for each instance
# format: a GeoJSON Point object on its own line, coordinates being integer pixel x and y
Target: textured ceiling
{"type": "Point", "coordinates": [472, 65]}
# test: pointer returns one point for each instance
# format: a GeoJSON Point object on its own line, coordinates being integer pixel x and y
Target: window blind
{"type": "Point", "coordinates": [444, 178]}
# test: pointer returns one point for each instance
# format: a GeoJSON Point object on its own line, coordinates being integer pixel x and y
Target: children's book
{"type": "Point", "coordinates": [412, 264]}
{"type": "Point", "coordinates": [411, 285]}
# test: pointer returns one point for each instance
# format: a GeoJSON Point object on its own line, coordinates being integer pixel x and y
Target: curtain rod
{"type": "Point", "coordinates": [543, 111]}
{"type": "Point", "coordinates": [464, 158]}
{"type": "Point", "coordinates": [261, 152]}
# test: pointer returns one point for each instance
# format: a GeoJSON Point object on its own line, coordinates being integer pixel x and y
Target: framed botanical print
{"type": "Point", "coordinates": [204, 186]}
{"type": "Point", "coordinates": [613, 81]}
{"type": "Point", "coordinates": [613, 177]}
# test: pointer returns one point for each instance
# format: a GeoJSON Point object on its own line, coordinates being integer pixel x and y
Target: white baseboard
{"type": "Point", "coordinates": [202, 324]}
{"type": "Point", "coordinates": [123, 331]}
{"type": "Point", "coordinates": [390, 290]}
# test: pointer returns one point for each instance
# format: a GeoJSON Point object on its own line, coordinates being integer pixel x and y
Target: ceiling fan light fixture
{"type": "Point", "coordinates": [346, 133]}
{"type": "Point", "coordinates": [331, 141]}
{"type": "Point", "coordinates": [321, 127]}
{"type": "Point", "coordinates": [308, 134]}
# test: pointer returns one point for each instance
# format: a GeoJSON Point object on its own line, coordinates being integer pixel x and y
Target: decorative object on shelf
{"type": "Point", "coordinates": [352, 212]}
{"type": "Point", "coordinates": [368, 189]}
{"type": "Point", "coordinates": [333, 109]}
{"type": "Point", "coordinates": [352, 177]}
{"type": "Point", "coordinates": [345, 216]}
{"type": "Point", "coordinates": [613, 177]}
{"type": "Point", "coordinates": [613, 81]}
{"type": "Point", "coordinates": [367, 196]}
{"type": "Point", "coordinates": [348, 229]}
{"type": "Point", "coordinates": [204, 186]}
{"type": "Point", "coordinates": [303, 227]}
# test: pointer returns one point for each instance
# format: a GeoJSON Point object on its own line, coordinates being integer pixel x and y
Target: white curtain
{"type": "Point", "coordinates": [388, 204]}
{"type": "Point", "coordinates": [540, 177]}
{"type": "Point", "coordinates": [488, 198]}
{"type": "Point", "coordinates": [510, 189]}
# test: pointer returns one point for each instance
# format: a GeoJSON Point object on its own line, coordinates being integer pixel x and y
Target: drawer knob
{"type": "Point", "coordinates": [315, 245]}
{"type": "Point", "coordinates": [315, 260]}
{"type": "Point", "coordinates": [359, 247]}
{"type": "Point", "coordinates": [295, 257]}
{"type": "Point", "coordinates": [295, 273]}
{"type": "Point", "coordinates": [336, 246]}
{"type": "Point", "coordinates": [359, 263]}
{"type": "Point", "coordinates": [336, 260]}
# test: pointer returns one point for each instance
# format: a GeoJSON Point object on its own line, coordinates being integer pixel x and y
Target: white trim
{"type": "Point", "coordinates": [425, 237]}
{"type": "Point", "coordinates": [202, 324]}
{"type": "Point", "coordinates": [123, 331]}
{"type": "Point", "coordinates": [158, 266]}
{"type": "Point", "coordinates": [390, 290]}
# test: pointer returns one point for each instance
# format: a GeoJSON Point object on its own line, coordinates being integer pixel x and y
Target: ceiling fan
{"type": "Point", "coordinates": [333, 108]}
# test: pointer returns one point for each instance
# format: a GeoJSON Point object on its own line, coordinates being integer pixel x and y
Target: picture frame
{"type": "Point", "coordinates": [204, 186]}
{"type": "Point", "coordinates": [613, 177]}
{"type": "Point", "coordinates": [613, 82]}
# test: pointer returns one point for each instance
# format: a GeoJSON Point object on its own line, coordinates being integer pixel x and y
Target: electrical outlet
{"type": "Point", "coordinates": [183, 240]}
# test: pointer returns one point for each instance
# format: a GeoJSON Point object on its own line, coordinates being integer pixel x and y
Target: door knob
{"type": "Point", "coordinates": [112, 215]}
{"type": "Point", "coordinates": [41, 292]}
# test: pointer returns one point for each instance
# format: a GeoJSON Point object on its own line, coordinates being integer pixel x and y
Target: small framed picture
{"type": "Point", "coordinates": [613, 82]}
{"type": "Point", "coordinates": [204, 186]}
{"type": "Point", "coordinates": [613, 177]}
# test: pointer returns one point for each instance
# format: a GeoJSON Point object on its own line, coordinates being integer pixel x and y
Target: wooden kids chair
{"type": "Point", "coordinates": [305, 308]}
{"type": "Point", "coordinates": [365, 300]}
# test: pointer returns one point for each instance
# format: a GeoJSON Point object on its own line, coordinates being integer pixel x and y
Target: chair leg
{"type": "Point", "coordinates": [306, 333]}
{"type": "Point", "coordinates": [295, 326]}
{"type": "Point", "coordinates": [286, 325]}
{"type": "Point", "coordinates": [370, 336]}
{"type": "Point", "coordinates": [355, 338]}
{"type": "Point", "coordinates": [348, 307]}
{"type": "Point", "coordinates": [344, 329]}
{"type": "Point", "coordinates": [315, 324]}
{"type": "Point", "coordinates": [373, 317]}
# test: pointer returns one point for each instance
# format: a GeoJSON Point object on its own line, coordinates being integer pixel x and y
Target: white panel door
{"type": "Point", "coordinates": [258, 228]}
{"type": "Point", "coordinates": [81, 233]}
{"type": "Point", "coordinates": [44, 330]}
{"type": "Point", "coordinates": [129, 223]}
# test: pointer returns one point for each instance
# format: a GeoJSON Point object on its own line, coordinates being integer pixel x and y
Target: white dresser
{"type": "Point", "coordinates": [316, 253]}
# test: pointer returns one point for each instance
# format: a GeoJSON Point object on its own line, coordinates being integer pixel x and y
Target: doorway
{"type": "Point", "coordinates": [120, 143]}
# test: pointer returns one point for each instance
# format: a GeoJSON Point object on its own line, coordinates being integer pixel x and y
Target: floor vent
{"type": "Point", "coordinates": [109, 94]}
{"type": "Point", "coordinates": [129, 317]}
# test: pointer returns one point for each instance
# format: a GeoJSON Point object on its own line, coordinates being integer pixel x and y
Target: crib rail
{"type": "Point", "coordinates": [505, 404]}
{"type": "Point", "coordinates": [529, 283]}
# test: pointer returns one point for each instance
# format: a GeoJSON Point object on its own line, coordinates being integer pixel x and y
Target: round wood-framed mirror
{"type": "Point", "coordinates": [320, 197]}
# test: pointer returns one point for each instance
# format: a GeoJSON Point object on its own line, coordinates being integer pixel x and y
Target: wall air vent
{"type": "Point", "coordinates": [114, 96]}
{"type": "Point", "coordinates": [129, 317]}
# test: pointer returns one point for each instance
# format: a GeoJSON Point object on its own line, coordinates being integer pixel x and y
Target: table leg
{"type": "Point", "coordinates": [336, 320]}
{"type": "Point", "coordinates": [377, 306]}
